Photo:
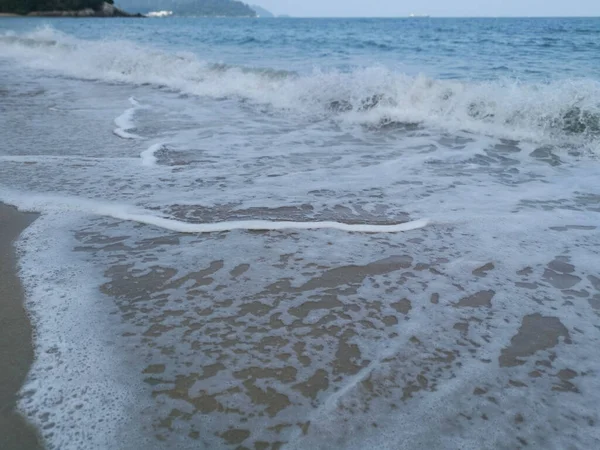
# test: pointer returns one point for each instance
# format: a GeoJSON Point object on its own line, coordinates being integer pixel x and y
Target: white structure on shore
{"type": "Point", "coordinates": [159, 14]}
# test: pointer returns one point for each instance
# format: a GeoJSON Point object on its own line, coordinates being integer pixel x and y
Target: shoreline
{"type": "Point", "coordinates": [16, 344]}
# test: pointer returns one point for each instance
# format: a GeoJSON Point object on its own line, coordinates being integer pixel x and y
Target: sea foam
{"type": "Point", "coordinates": [45, 203]}
{"type": "Point", "coordinates": [148, 156]}
{"type": "Point", "coordinates": [125, 122]}
{"type": "Point", "coordinates": [564, 112]}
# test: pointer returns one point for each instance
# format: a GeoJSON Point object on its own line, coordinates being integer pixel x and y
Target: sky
{"type": "Point", "coordinates": [439, 8]}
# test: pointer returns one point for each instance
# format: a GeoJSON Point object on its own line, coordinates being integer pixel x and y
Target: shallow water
{"type": "Point", "coordinates": [475, 327]}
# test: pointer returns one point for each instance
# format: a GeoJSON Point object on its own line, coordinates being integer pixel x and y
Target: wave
{"type": "Point", "coordinates": [57, 204]}
{"type": "Point", "coordinates": [560, 112]}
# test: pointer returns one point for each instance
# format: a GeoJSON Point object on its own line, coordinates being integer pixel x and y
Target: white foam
{"type": "Point", "coordinates": [44, 203]}
{"type": "Point", "coordinates": [149, 156]}
{"type": "Point", "coordinates": [77, 370]}
{"type": "Point", "coordinates": [540, 112]}
{"type": "Point", "coordinates": [488, 206]}
{"type": "Point", "coordinates": [124, 122]}
{"type": "Point", "coordinates": [266, 225]}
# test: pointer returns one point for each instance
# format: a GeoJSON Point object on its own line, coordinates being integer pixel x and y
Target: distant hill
{"type": "Point", "coordinates": [262, 12]}
{"type": "Point", "coordinates": [208, 8]}
{"type": "Point", "coordinates": [27, 6]}
{"type": "Point", "coordinates": [62, 8]}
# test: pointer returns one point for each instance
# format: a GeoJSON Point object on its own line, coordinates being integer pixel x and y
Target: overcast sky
{"type": "Point", "coordinates": [444, 8]}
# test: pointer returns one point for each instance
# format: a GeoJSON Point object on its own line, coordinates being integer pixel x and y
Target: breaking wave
{"type": "Point", "coordinates": [562, 112]}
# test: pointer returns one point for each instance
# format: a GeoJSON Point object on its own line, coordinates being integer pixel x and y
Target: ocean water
{"type": "Point", "coordinates": [307, 233]}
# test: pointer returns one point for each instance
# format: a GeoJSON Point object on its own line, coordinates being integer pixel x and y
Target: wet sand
{"type": "Point", "coordinates": [16, 351]}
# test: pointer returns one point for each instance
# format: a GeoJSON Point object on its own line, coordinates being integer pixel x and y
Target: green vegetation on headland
{"type": "Point", "coordinates": [205, 8]}
{"type": "Point", "coordinates": [69, 8]}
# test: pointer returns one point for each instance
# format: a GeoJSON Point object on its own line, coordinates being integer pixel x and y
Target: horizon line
{"type": "Point", "coordinates": [428, 16]}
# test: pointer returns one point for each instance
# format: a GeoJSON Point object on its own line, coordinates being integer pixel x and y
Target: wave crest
{"type": "Point", "coordinates": [561, 112]}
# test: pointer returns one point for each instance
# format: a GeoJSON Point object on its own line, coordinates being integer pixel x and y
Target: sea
{"type": "Point", "coordinates": [307, 233]}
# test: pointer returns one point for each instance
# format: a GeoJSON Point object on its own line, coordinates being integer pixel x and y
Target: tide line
{"type": "Point", "coordinates": [266, 225]}
{"type": "Point", "coordinates": [54, 204]}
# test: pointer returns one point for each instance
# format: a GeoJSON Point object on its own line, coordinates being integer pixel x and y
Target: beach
{"type": "Point", "coordinates": [16, 349]}
{"type": "Point", "coordinates": [302, 233]}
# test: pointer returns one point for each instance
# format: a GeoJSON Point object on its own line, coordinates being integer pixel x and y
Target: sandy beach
{"type": "Point", "coordinates": [282, 237]}
{"type": "Point", "coordinates": [16, 352]}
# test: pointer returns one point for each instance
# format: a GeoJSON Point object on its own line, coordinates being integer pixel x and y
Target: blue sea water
{"type": "Point", "coordinates": [527, 49]}
{"type": "Point", "coordinates": [512, 77]}
{"type": "Point", "coordinates": [307, 233]}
